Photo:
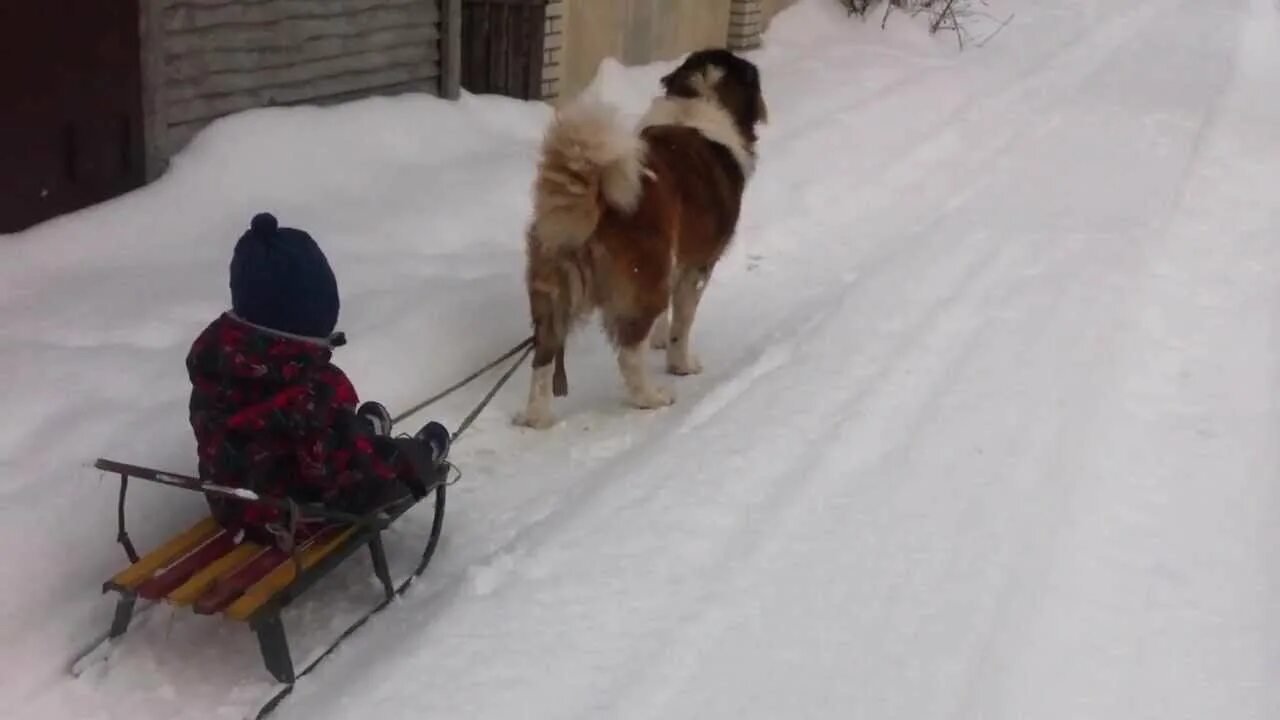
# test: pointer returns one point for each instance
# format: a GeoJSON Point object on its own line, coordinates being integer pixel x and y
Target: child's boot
{"type": "Point", "coordinates": [376, 415]}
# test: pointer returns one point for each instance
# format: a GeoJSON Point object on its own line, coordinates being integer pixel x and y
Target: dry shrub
{"type": "Point", "coordinates": [946, 15]}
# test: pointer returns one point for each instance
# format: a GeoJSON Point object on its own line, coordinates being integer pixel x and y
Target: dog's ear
{"type": "Point", "coordinates": [676, 83]}
{"type": "Point", "coordinates": [762, 110]}
{"type": "Point", "coordinates": [669, 79]}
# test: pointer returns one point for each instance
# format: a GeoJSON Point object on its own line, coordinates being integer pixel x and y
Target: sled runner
{"type": "Point", "coordinates": [207, 569]}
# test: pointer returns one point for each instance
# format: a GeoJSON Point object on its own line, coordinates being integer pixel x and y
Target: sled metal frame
{"type": "Point", "coordinates": [265, 620]}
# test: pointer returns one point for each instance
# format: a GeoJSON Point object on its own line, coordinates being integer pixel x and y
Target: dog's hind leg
{"type": "Point", "coordinates": [537, 413]}
{"type": "Point", "coordinates": [548, 360]}
{"type": "Point", "coordinates": [631, 336]}
{"type": "Point", "coordinates": [688, 292]}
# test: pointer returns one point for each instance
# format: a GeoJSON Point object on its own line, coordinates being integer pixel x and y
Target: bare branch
{"type": "Point", "coordinates": [943, 15]}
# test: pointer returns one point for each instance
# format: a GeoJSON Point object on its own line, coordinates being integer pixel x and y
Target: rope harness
{"type": "Point", "coordinates": [526, 345]}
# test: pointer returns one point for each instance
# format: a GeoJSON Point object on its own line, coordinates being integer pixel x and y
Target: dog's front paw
{"type": "Point", "coordinates": [687, 365]}
{"type": "Point", "coordinates": [654, 398]}
{"type": "Point", "coordinates": [535, 420]}
{"type": "Point", "coordinates": [658, 341]}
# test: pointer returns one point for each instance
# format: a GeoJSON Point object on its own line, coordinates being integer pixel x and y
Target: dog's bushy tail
{"type": "Point", "coordinates": [589, 159]}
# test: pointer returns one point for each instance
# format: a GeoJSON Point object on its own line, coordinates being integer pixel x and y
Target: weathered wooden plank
{"type": "Point", "coordinates": [154, 100]}
{"type": "Point", "coordinates": [219, 57]}
{"type": "Point", "coordinates": [251, 79]}
{"type": "Point", "coordinates": [377, 31]}
{"type": "Point", "coordinates": [424, 85]}
{"type": "Point", "coordinates": [533, 57]}
{"type": "Point", "coordinates": [205, 4]}
{"type": "Point", "coordinates": [179, 135]}
{"type": "Point", "coordinates": [311, 90]}
{"type": "Point", "coordinates": [451, 49]}
{"type": "Point", "coordinates": [195, 70]}
{"type": "Point", "coordinates": [184, 15]}
{"type": "Point", "coordinates": [297, 30]}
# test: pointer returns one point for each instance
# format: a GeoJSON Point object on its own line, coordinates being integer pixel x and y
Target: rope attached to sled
{"type": "Point", "coordinates": [471, 417]}
{"type": "Point", "coordinates": [526, 345]}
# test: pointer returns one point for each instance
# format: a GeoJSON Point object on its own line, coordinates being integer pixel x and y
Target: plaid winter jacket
{"type": "Point", "coordinates": [272, 414]}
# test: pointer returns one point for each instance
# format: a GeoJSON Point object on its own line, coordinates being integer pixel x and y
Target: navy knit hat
{"type": "Point", "coordinates": [281, 280]}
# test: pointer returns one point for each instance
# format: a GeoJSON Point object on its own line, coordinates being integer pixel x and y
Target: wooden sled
{"type": "Point", "coordinates": [208, 570]}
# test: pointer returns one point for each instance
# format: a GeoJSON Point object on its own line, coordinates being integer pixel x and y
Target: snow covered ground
{"type": "Point", "coordinates": [990, 426]}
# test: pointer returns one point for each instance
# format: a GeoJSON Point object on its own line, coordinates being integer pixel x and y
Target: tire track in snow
{"type": "Point", "coordinates": [1182, 458]}
{"type": "Point", "coordinates": [641, 689]}
{"type": "Point", "coordinates": [1037, 569]}
{"type": "Point", "coordinates": [938, 340]}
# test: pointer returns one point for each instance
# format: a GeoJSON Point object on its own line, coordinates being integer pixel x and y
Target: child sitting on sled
{"type": "Point", "coordinates": [272, 414]}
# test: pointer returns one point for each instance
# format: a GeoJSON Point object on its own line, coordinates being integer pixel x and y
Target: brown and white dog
{"type": "Point", "coordinates": [630, 221]}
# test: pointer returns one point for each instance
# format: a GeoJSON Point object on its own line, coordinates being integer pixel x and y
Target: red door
{"type": "Point", "coordinates": [70, 106]}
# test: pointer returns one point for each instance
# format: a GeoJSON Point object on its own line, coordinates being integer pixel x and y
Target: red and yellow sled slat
{"type": "Point", "coordinates": [174, 549]}
{"type": "Point", "coordinates": [261, 592]}
{"type": "Point", "coordinates": [206, 577]}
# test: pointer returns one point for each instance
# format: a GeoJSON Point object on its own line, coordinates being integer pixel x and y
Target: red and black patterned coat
{"type": "Point", "coordinates": [271, 413]}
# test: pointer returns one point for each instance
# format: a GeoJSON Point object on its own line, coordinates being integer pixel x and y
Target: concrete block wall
{"type": "Point", "coordinates": [553, 50]}
{"type": "Point", "coordinates": [746, 24]}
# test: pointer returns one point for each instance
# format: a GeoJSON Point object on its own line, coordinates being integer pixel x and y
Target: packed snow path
{"type": "Point", "coordinates": [990, 426]}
